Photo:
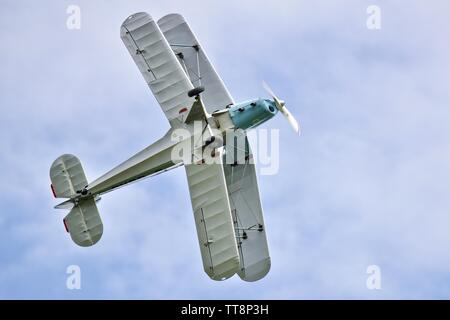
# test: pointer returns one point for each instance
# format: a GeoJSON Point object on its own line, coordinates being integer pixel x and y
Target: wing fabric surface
{"type": "Point", "coordinates": [247, 212]}
{"type": "Point", "coordinates": [213, 219]}
{"type": "Point", "coordinates": [67, 176]}
{"type": "Point", "coordinates": [84, 223]}
{"type": "Point", "coordinates": [158, 64]}
{"type": "Point", "coordinates": [195, 62]}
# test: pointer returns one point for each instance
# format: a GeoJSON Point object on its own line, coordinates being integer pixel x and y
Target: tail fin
{"type": "Point", "coordinates": [68, 181]}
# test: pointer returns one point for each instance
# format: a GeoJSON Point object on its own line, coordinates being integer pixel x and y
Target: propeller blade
{"type": "Point", "coordinates": [290, 118]}
{"type": "Point", "coordinates": [282, 108]}
{"type": "Point", "coordinates": [269, 90]}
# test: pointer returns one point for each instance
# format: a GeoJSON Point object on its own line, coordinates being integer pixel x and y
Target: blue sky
{"type": "Point", "coordinates": [366, 183]}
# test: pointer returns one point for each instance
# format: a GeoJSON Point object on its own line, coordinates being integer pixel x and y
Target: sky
{"type": "Point", "coordinates": [365, 184]}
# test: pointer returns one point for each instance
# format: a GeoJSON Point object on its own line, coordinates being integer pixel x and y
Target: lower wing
{"type": "Point", "coordinates": [247, 212]}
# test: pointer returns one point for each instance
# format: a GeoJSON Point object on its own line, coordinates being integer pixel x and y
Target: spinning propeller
{"type": "Point", "coordinates": [282, 108]}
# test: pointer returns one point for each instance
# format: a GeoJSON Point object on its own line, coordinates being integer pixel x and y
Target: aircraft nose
{"type": "Point", "coordinates": [270, 106]}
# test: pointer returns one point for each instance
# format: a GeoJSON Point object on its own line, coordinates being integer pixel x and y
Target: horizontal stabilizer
{"type": "Point", "coordinates": [83, 223]}
{"type": "Point", "coordinates": [67, 176]}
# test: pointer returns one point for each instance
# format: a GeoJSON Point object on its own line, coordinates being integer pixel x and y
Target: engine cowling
{"type": "Point", "coordinates": [250, 114]}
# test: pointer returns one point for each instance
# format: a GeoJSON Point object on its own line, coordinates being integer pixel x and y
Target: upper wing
{"type": "Point", "coordinates": [212, 213]}
{"type": "Point", "coordinates": [158, 64]}
{"type": "Point", "coordinates": [248, 214]}
{"type": "Point", "coordinates": [195, 62]}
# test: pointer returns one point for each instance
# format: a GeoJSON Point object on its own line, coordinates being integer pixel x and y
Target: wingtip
{"type": "Point", "coordinates": [171, 15]}
{"type": "Point", "coordinates": [256, 271]}
{"type": "Point", "coordinates": [133, 17]}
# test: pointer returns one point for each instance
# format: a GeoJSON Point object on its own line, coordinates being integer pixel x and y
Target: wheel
{"type": "Point", "coordinates": [196, 91]}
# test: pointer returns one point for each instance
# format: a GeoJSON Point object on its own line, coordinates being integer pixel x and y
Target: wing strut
{"type": "Point", "coordinates": [180, 55]}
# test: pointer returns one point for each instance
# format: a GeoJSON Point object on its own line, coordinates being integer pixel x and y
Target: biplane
{"type": "Point", "coordinates": [220, 172]}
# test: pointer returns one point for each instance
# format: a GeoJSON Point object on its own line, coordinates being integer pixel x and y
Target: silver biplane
{"type": "Point", "coordinates": [220, 172]}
